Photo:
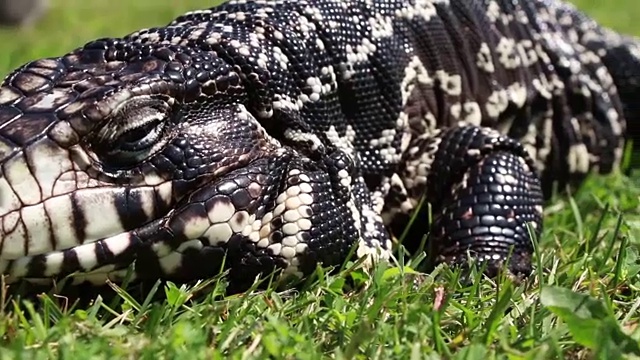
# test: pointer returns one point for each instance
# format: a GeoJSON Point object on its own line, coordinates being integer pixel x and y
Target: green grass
{"type": "Point", "coordinates": [582, 302]}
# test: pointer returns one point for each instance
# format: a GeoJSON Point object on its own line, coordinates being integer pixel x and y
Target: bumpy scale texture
{"type": "Point", "coordinates": [283, 134]}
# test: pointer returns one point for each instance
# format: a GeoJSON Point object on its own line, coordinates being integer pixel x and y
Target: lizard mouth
{"type": "Point", "coordinates": [72, 219]}
{"type": "Point", "coordinates": [257, 215]}
{"type": "Point", "coordinates": [98, 231]}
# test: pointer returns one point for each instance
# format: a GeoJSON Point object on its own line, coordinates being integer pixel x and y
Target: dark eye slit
{"type": "Point", "coordinates": [138, 138]}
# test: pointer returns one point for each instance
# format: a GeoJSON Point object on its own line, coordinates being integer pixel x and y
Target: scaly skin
{"type": "Point", "coordinates": [281, 134]}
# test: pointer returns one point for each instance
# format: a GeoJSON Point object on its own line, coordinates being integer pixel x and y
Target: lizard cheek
{"type": "Point", "coordinates": [233, 216]}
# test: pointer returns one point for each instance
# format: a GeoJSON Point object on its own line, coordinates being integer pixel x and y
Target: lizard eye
{"type": "Point", "coordinates": [136, 131]}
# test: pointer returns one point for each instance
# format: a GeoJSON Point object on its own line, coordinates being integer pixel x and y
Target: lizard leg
{"type": "Point", "coordinates": [483, 191]}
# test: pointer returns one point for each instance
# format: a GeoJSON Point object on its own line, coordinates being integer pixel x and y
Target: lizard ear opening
{"type": "Point", "coordinates": [137, 130]}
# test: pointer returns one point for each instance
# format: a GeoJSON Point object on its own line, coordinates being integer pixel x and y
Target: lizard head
{"type": "Point", "coordinates": [114, 148]}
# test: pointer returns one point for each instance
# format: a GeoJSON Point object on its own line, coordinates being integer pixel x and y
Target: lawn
{"type": "Point", "coordinates": [582, 302]}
